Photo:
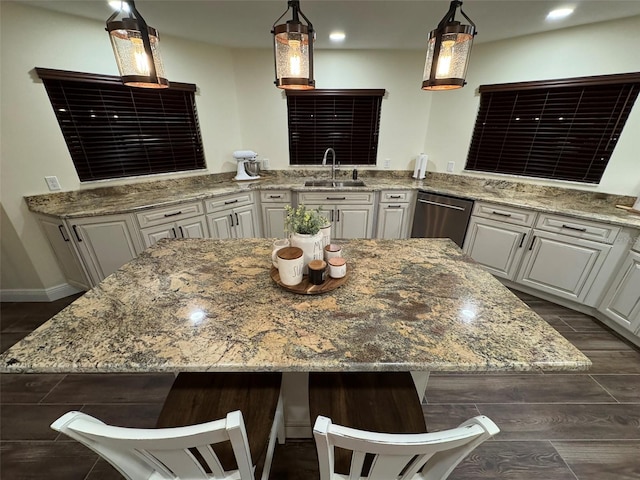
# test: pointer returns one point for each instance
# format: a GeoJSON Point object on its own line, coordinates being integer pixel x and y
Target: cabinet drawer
{"type": "Point", "coordinates": [388, 196]}
{"type": "Point", "coordinates": [158, 216]}
{"type": "Point", "coordinates": [228, 201]}
{"type": "Point", "coordinates": [333, 198]}
{"type": "Point", "coordinates": [574, 227]}
{"type": "Point", "coordinates": [517, 216]}
{"type": "Point", "coordinates": [273, 196]}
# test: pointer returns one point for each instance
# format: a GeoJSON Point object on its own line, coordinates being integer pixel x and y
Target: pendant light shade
{"type": "Point", "coordinates": [448, 52]}
{"type": "Point", "coordinates": [136, 47]}
{"type": "Point", "coordinates": [293, 50]}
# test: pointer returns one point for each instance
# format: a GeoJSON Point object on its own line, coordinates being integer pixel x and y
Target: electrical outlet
{"type": "Point", "coordinates": [265, 164]}
{"type": "Point", "coordinates": [387, 163]}
{"type": "Point", "coordinates": [450, 166]}
{"type": "Point", "coordinates": [52, 183]}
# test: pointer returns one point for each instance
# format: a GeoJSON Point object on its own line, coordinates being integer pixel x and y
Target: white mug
{"type": "Point", "coordinates": [277, 245]}
{"type": "Point", "coordinates": [290, 265]}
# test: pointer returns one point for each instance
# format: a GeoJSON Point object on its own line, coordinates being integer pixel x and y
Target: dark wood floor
{"type": "Point", "coordinates": [578, 426]}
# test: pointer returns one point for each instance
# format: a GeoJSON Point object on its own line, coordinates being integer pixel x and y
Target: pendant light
{"type": "Point", "coordinates": [448, 52]}
{"type": "Point", "coordinates": [136, 47]}
{"type": "Point", "coordinates": [293, 50]}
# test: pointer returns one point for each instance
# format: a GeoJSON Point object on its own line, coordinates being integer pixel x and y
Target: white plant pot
{"type": "Point", "coordinates": [311, 245]}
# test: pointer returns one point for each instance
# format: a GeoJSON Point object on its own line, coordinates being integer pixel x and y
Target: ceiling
{"type": "Point", "coordinates": [368, 24]}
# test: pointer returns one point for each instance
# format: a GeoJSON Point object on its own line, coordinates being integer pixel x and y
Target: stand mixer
{"type": "Point", "coordinates": [243, 157]}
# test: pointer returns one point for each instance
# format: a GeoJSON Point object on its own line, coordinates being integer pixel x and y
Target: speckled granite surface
{"type": "Point", "coordinates": [140, 196]}
{"type": "Point", "coordinates": [202, 305]}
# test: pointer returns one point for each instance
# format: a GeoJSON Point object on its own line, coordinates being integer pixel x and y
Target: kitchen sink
{"type": "Point", "coordinates": [334, 183]}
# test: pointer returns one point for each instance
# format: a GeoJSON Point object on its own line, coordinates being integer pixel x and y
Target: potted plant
{"type": "Point", "coordinates": [303, 226]}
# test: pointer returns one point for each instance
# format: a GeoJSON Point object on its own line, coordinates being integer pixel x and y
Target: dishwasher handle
{"type": "Point", "coordinates": [438, 204]}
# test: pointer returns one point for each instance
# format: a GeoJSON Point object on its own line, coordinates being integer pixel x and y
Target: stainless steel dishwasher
{"type": "Point", "coordinates": [441, 216]}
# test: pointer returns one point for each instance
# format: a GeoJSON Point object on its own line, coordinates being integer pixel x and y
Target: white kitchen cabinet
{"type": "Point", "coordinates": [232, 216]}
{"type": "Point", "coordinates": [185, 220]}
{"type": "Point", "coordinates": [350, 213]}
{"type": "Point", "coordinates": [562, 265]}
{"type": "Point", "coordinates": [497, 237]}
{"type": "Point", "coordinates": [189, 228]}
{"type": "Point", "coordinates": [394, 214]}
{"type": "Point", "coordinates": [105, 243]}
{"type": "Point", "coordinates": [622, 301]}
{"type": "Point", "coordinates": [61, 242]}
{"type": "Point", "coordinates": [273, 212]}
{"type": "Point", "coordinates": [497, 246]}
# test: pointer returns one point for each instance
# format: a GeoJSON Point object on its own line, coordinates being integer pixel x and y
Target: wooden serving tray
{"type": "Point", "coordinates": [306, 287]}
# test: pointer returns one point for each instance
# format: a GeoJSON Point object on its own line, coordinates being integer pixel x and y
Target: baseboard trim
{"type": "Point", "coordinates": [38, 295]}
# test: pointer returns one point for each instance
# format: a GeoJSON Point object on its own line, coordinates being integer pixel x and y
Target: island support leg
{"type": "Point", "coordinates": [420, 379]}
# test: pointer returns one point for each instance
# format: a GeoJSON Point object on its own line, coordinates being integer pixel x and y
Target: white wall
{"type": "Point", "coordinates": [598, 49]}
{"type": "Point", "coordinates": [32, 145]}
{"type": "Point", "coordinates": [405, 108]}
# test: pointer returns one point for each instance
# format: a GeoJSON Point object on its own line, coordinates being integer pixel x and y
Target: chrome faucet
{"type": "Point", "coordinates": [333, 166]}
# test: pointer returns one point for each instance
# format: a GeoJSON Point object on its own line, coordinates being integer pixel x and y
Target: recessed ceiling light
{"type": "Point", "coordinates": [559, 13]}
{"type": "Point", "coordinates": [118, 4]}
{"type": "Point", "coordinates": [337, 36]}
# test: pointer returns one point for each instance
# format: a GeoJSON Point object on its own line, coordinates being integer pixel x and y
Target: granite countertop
{"type": "Point", "coordinates": [141, 196]}
{"type": "Point", "coordinates": [211, 305]}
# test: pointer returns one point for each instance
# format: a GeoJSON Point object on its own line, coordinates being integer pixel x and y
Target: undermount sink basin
{"type": "Point", "coordinates": [334, 183]}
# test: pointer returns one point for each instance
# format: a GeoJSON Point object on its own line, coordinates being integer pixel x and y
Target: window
{"type": "Point", "coordinates": [114, 131]}
{"type": "Point", "coordinates": [558, 129]}
{"type": "Point", "coordinates": [346, 120]}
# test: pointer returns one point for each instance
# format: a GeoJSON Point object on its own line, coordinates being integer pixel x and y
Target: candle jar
{"type": "Point", "coordinates": [337, 267]}
{"type": "Point", "coordinates": [317, 272]}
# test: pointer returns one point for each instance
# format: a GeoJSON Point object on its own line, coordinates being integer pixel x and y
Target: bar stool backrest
{"type": "Point", "coordinates": [163, 453]}
{"type": "Point", "coordinates": [422, 456]}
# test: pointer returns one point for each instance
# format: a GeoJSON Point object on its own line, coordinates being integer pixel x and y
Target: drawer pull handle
{"type": "Point", "coordinates": [75, 230]}
{"type": "Point", "coordinates": [231, 201]}
{"type": "Point", "coordinates": [237, 221]}
{"type": "Point", "coordinates": [181, 232]}
{"type": "Point", "coordinates": [275, 196]}
{"type": "Point", "coordinates": [394, 206]}
{"type": "Point", "coordinates": [532, 242]}
{"type": "Point", "coordinates": [175, 235]}
{"type": "Point", "coordinates": [336, 198]}
{"type": "Point", "coordinates": [179, 212]}
{"type": "Point", "coordinates": [502, 214]}
{"type": "Point", "coordinates": [337, 215]}
{"type": "Point", "coordinates": [453, 207]}
{"type": "Point", "coordinates": [231, 217]}
{"type": "Point", "coordinates": [332, 215]}
{"type": "Point", "coordinates": [522, 240]}
{"type": "Point", "coordinates": [64, 237]}
{"type": "Point", "coordinates": [577, 229]}
{"type": "Point", "coordinates": [395, 196]}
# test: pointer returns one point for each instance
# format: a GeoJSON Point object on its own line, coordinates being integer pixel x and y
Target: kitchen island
{"type": "Point", "coordinates": [415, 305]}
{"type": "Point", "coordinates": [207, 305]}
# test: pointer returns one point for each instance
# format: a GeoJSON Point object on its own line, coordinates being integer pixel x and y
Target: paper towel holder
{"type": "Point", "coordinates": [420, 169]}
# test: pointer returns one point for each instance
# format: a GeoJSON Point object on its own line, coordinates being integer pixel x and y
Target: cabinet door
{"type": "Point", "coordinates": [273, 216]}
{"type": "Point", "coordinates": [193, 228]}
{"type": "Point", "coordinates": [60, 240]}
{"type": "Point", "coordinates": [497, 246]}
{"type": "Point", "coordinates": [106, 243]}
{"type": "Point", "coordinates": [561, 265]}
{"type": "Point", "coordinates": [622, 301]}
{"type": "Point", "coordinates": [151, 235]}
{"type": "Point", "coordinates": [392, 220]}
{"type": "Point", "coordinates": [353, 221]}
{"type": "Point", "coordinates": [220, 225]}
{"type": "Point", "coordinates": [245, 222]}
